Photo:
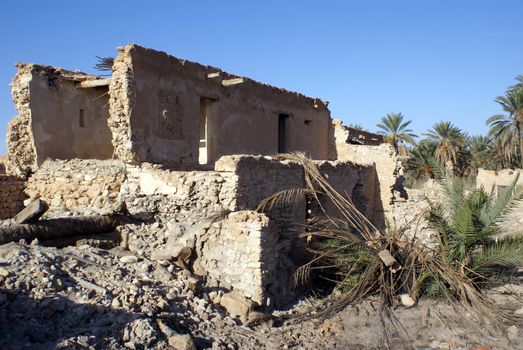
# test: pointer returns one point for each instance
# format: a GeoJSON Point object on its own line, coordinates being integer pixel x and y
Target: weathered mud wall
{"type": "Point", "coordinates": [57, 118]}
{"type": "Point", "coordinates": [389, 171]}
{"type": "Point", "coordinates": [158, 102]}
{"type": "Point", "coordinates": [492, 180]}
{"type": "Point", "coordinates": [11, 195]}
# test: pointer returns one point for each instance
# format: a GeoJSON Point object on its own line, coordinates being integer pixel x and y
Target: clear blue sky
{"type": "Point", "coordinates": [431, 60]}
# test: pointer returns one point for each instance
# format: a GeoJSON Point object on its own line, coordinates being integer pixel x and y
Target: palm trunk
{"type": "Point", "coordinates": [59, 228]}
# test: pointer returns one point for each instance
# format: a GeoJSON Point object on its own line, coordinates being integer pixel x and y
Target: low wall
{"type": "Point", "coordinates": [11, 195]}
{"type": "Point", "coordinates": [185, 195]}
{"type": "Point", "coordinates": [492, 180]}
{"type": "Point", "coordinates": [251, 262]}
{"type": "Point", "coordinates": [77, 184]}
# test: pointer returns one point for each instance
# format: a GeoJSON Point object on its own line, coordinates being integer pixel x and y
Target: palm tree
{"type": "Point", "coordinates": [509, 126]}
{"type": "Point", "coordinates": [467, 229]}
{"type": "Point", "coordinates": [357, 127]}
{"type": "Point", "coordinates": [420, 163]}
{"type": "Point", "coordinates": [449, 140]}
{"type": "Point", "coordinates": [479, 148]}
{"type": "Point", "coordinates": [396, 130]}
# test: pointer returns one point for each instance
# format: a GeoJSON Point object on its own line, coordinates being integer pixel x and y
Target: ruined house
{"type": "Point", "coordinates": [186, 142]}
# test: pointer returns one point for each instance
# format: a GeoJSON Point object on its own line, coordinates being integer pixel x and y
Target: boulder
{"type": "Point", "coordinates": [237, 305]}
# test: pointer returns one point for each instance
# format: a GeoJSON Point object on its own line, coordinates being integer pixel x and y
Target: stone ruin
{"type": "Point", "coordinates": [190, 146]}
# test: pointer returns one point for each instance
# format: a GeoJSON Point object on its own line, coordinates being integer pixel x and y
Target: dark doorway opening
{"type": "Point", "coordinates": [282, 133]}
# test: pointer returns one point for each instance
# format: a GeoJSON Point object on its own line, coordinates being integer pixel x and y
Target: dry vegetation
{"type": "Point", "coordinates": [467, 257]}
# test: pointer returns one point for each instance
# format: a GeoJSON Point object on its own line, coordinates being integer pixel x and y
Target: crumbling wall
{"type": "Point", "coordinates": [340, 135]}
{"type": "Point", "coordinates": [77, 184]}
{"type": "Point", "coordinates": [11, 195]}
{"type": "Point", "coordinates": [492, 180]}
{"type": "Point", "coordinates": [389, 171]}
{"type": "Point", "coordinates": [157, 102]}
{"type": "Point", "coordinates": [188, 196]}
{"type": "Point", "coordinates": [122, 93]}
{"type": "Point", "coordinates": [21, 150]}
{"type": "Point", "coordinates": [208, 212]}
{"type": "Point", "coordinates": [242, 253]}
{"type": "Point", "coordinates": [58, 118]}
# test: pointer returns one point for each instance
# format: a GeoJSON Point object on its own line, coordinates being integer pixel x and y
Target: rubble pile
{"type": "Point", "coordinates": [83, 296]}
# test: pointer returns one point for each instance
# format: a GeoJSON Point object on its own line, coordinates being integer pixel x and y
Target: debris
{"type": "Point", "coordinates": [389, 260]}
{"type": "Point", "coordinates": [182, 342]}
{"type": "Point", "coordinates": [129, 259]}
{"type": "Point", "coordinates": [59, 228]}
{"type": "Point", "coordinates": [32, 212]}
{"type": "Point", "coordinates": [236, 305]}
{"type": "Point", "coordinates": [89, 285]}
{"type": "Point", "coordinates": [407, 300]}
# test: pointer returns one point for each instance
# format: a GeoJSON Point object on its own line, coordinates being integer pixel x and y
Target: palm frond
{"type": "Point", "coordinates": [505, 254]}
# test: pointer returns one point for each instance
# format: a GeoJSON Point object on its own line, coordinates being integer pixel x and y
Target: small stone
{"type": "Point", "coordinates": [182, 342]}
{"type": "Point", "coordinates": [512, 332]}
{"type": "Point", "coordinates": [115, 303]}
{"type": "Point", "coordinates": [3, 272]}
{"type": "Point", "coordinates": [129, 259]}
{"type": "Point", "coordinates": [406, 300]}
{"type": "Point", "coordinates": [161, 255]}
{"type": "Point", "coordinates": [165, 329]}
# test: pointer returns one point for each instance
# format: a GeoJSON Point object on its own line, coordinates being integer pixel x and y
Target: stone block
{"type": "Point", "coordinates": [236, 305]}
{"type": "Point", "coordinates": [32, 212]}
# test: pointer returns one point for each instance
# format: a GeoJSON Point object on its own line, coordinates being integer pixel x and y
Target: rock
{"type": "Point", "coordinates": [165, 329]}
{"type": "Point", "coordinates": [406, 300]}
{"type": "Point", "coordinates": [236, 305]}
{"type": "Point", "coordinates": [512, 332]}
{"type": "Point", "coordinates": [32, 212]}
{"type": "Point", "coordinates": [519, 311]}
{"type": "Point", "coordinates": [256, 318]}
{"type": "Point", "coordinates": [129, 259]}
{"type": "Point", "coordinates": [140, 331]}
{"type": "Point", "coordinates": [182, 342]}
{"type": "Point", "coordinates": [3, 272]}
{"type": "Point", "coordinates": [161, 255]}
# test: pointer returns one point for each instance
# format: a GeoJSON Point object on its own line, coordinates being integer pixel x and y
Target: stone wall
{"type": "Point", "coordinates": [11, 195]}
{"type": "Point", "coordinates": [242, 253]}
{"type": "Point", "coordinates": [209, 212]}
{"type": "Point", "coordinates": [186, 195]}
{"type": "Point", "coordinates": [77, 184]}
{"type": "Point", "coordinates": [21, 152]}
{"type": "Point", "coordinates": [492, 180]}
{"type": "Point", "coordinates": [159, 105]}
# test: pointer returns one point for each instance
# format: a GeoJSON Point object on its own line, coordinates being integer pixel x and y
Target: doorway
{"type": "Point", "coordinates": [282, 132]}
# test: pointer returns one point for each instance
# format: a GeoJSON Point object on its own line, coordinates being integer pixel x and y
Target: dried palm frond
{"type": "Point", "coordinates": [465, 256]}
{"type": "Point", "coordinates": [105, 64]}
